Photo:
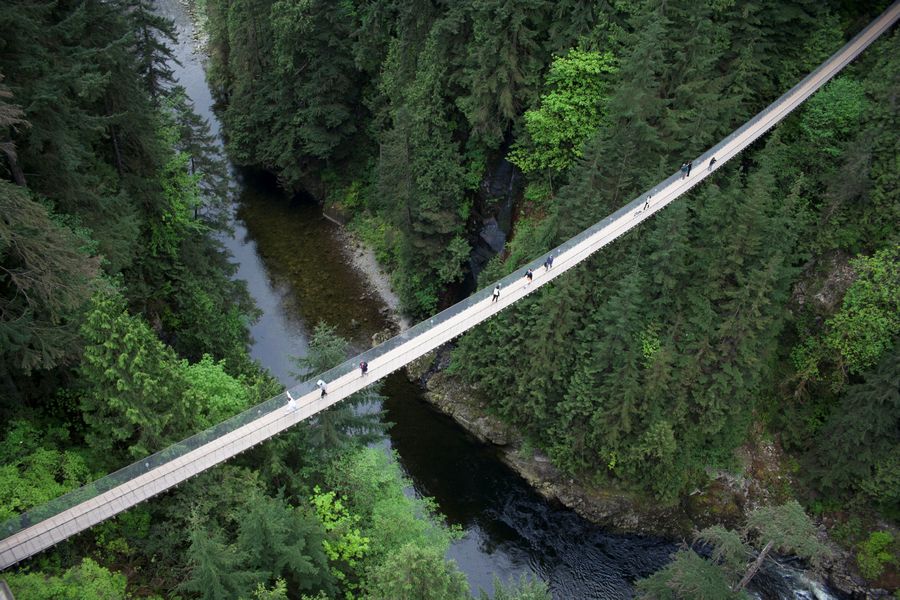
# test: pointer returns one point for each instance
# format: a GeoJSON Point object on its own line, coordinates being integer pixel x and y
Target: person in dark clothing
{"type": "Point", "coordinates": [646, 203]}
{"type": "Point", "coordinates": [712, 163]}
{"type": "Point", "coordinates": [689, 165]}
{"type": "Point", "coordinates": [496, 295]}
{"type": "Point", "coordinates": [363, 367]}
{"type": "Point", "coordinates": [322, 386]}
{"type": "Point", "coordinates": [548, 264]}
{"type": "Point", "coordinates": [529, 275]}
{"type": "Point", "coordinates": [684, 170]}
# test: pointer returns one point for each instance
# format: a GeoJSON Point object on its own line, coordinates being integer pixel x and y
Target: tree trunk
{"type": "Point", "coordinates": [17, 174]}
{"type": "Point", "coordinates": [753, 568]}
{"type": "Point", "coordinates": [120, 166]}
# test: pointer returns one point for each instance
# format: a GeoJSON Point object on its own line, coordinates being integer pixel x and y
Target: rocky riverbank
{"type": "Point", "coordinates": [763, 480]}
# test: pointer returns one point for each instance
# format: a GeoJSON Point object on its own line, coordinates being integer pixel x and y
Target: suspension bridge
{"type": "Point", "coordinates": [46, 525]}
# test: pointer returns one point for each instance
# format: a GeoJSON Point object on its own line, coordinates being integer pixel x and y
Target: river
{"type": "Point", "coordinates": [296, 270]}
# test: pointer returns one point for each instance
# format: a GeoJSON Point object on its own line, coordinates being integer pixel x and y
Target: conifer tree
{"type": "Point", "coordinates": [350, 422]}
{"type": "Point", "coordinates": [216, 569]}
{"type": "Point", "coordinates": [284, 542]}
{"type": "Point", "coordinates": [134, 393]}
{"type": "Point", "coordinates": [152, 35]}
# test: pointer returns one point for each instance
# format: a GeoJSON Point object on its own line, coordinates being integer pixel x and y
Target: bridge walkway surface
{"type": "Point", "coordinates": [46, 525]}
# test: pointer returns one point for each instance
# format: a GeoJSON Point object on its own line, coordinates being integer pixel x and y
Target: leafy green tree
{"type": "Point", "coordinates": [211, 387]}
{"type": "Point", "coordinates": [415, 573]}
{"type": "Point", "coordinates": [370, 484]}
{"type": "Point", "coordinates": [855, 337]}
{"type": "Point", "coordinates": [876, 552]}
{"type": "Point", "coordinates": [278, 591]}
{"type": "Point", "coordinates": [344, 544]}
{"type": "Point", "coordinates": [34, 467]}
{"type": "Point", "coordinates": [86, 581]}
{"type": "Point", "coordinates": [570, 112]}
{"type": "Point", "coordinates": [832, 114]}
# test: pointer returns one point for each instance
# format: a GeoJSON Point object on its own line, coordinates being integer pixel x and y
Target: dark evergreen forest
{"type": "Point", "coordinates": [765, 305]}
{"type": "Point", "coordinates": [121, 332]}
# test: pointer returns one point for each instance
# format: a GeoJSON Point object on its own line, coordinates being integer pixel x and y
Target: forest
{"type": "Point", "coordinates": [764, 305]}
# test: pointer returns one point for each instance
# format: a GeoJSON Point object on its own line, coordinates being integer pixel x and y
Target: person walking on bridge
{"type": "Point", "coordinates": [712, 163]}
{"type": "Point", "coordinates": [363, 367]}
{"type": "Point", "coordinates": [647, 203]}
{"type": "Point", "coordinates": [529, 275]}
{"type": "Point", "coordinates": [322, 386]}
{"type": "Point", "coordinates": [496, 294]}
{"type": "Point", "coordinates": [684, 170]}
{"type": "Point", "coordinates": [548, 264]}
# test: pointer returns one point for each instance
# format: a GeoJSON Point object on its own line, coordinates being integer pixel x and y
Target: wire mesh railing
{"type": "Point", "coordinates": [722, 151]}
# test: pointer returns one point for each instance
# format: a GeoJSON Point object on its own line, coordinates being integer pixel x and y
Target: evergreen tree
{"type": "Point", "coordinates": [857, 450]}
{"type": "Point", "coordinates": [417, 574]}
{"type": "Point", "coordinates": [46, 278]}
{"type": "Point", "coordinates": [134, 391]}
{"type": "Point", "coordinates": [152, 35]}
{"type": "Point", "coordinates": [503, 62]}
{"type": "Point", "coordinates": [351, 422]}
{"type": "Point", "coordinates": [216, 569]}
{"type": "Point", "coordinates": [11, 119]}
{"type": "Point", "coordinates": [725, 574]}
{"type": "Point", "coordinates": [284, 542]}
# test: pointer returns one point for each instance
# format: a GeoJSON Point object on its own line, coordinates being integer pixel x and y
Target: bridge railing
{"type": "Point", "coordinates": [181, 448]}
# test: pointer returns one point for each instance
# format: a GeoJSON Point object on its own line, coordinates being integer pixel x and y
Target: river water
{"type": "Point", "coordinates": [295, 269]}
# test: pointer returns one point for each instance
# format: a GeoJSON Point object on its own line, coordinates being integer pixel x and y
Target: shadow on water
{"type": "Point", "coordinates": [509, 529]}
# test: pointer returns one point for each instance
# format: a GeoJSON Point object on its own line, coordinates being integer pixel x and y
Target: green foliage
{"type": "Point", "coordinates": [278, 591]}
{"type": "Point", "coordinates": [857, 451]}
{"type": "Point", "coordinates": [833, 113]}
{"type": "Point", "coordinates": [728, 549]}
{"type": "Point", "coordinates": [870, 315]}
{"type": "Point", "coordinates": [87, 581]}
{"type": "Point", "coordinates": [344, 544]}
{"type": "Point", "coordinates": [688, 576]}
{"type": "Point", "coordinates": [284, 542]}
{"type": "Point", "coordinates": [219, 394]}
{"type": "Point", "coordinates": [416, 573]}
{"type": "Point", "coordinates": [691, 576]}
{"type": "Point", "coordinates": [371, 487]}
{"type": "Point", "coordinates": [215, 568]}
{"type": "Point", "coordinates": [34, 469]}
{"type": "Point", "coordinates": [790, 528]}
{"type": "Point", "coordinates": [524, 589]}
{"type": "Point", "coordinates": [134, 391]}
{"type": "Point", "coordinates": [378, 235]}
{"type": "Point", "coordinates": [876, 552]}
{"type": "Point", "coordinates": [46, 279]}
{"type": "Point", "coordinates": [347, 424]}
{"type": "Point", "coordinates": [570, 112]}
